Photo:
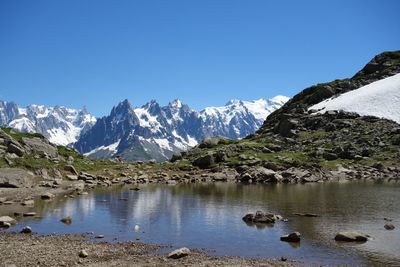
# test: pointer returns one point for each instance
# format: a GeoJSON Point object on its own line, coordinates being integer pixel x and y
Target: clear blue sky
{"type": "Point", "coordinates": [204, 52]}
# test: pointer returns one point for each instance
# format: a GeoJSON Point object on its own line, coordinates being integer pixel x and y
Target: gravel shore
{"type": "Point", "coordinates": [63, 250]}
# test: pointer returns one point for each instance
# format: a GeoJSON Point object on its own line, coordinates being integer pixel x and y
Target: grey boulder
{"type": "Point", "coordinates": [293, 237]}
{"type": "Point", "coordinates": [40, 147]}
{"type": "Point", "coordinates": [351, 237]}
{"type": "Point", "coordinates": [179, 253]}
{"type": "Point", "coordinates": [15, 178]}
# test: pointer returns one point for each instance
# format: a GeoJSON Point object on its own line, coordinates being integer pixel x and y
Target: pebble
{"type": "Point", "coordinates": [179, 253]}
{"type": "Point", "coordinates": [28, 203]}
{"type": "Point", "coordinates": [389, 226]}
{"type": "Point", "coordinates": [26, 230]}
{"type": "Point", "coordinates": [135, 189]}
{"type": "Point", "coordinates": [29, 214]}
{"type": "Point", "coordinates": [83, 254]}
{"type": "Point", "coordinates": [66, 220]}
{"type": "Point", "coordinates": [47, 196]}
{"type": "Point", "coordinates": [293, 237]}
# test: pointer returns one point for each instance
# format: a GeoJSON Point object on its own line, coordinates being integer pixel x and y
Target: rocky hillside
{"type": "Point", "coordinates": [381, 66]}
{"type": "Point", "coordinates": [30, 161]}
{"type": "Point", "coordinates": [61, 125]}
{"type": "Point", "coordinates": [295, 144]}
{"type": "Point", "coordinates": [156, 132]}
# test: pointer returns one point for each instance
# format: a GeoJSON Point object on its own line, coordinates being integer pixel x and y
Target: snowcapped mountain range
{"type": "Point", "coordinates": [380, 99]}
{"type": "Point", "coordinates": [139, 133]}
{"type": "Point", "coordinates": [155, 132]}
{"type": "Point", "coordinates": [60, 125]}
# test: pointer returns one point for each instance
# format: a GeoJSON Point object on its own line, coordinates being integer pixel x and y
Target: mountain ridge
{"type": "Point", "coordinates": [158, 132]}
{"type": "Point", "coordinates": [61, 125]}
{"type": "Point", "coordinates": [147, 132]}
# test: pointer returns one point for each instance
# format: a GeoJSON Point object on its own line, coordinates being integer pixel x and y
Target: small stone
{"type": "Point", "coordinates": [99, 236]}
{"type": "Point", "coordinates": [26, 230]}
{"type": "Point", "coordinates": [28, 203]}
{"type": "Point", "coordinates": [283, 259]}
{"type": "Point", "coordinates": [47, 196]}
{"type": "Point", "coordinates": [135, 189]}
{"type": "Point", "coordinates": [389, 226]}
{"type": "Point", "coordinates": [29, 214]}
{"type": "Point", "coordinates": [293, 237]}
{"type": "Point", "coordinates": [179, 253]}
{"type": "Point", "coordinates": [72, 177]}
{"type": "Point", "coordinates": [71, 169]}
{"type": "Point", "coordinates": [66, 220]}
{"type": "Point", "coordinates": [83, 254]}
{"type": "Point", "coordinates": [5, 225]}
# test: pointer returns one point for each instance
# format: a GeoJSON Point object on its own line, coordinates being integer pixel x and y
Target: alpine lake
{"type": "Point", "coordinates": [209, 216]}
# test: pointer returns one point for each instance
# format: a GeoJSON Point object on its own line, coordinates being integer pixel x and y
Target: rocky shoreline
{"type": "Point", "coordinates": [64, 250]}
{"type": "Point", "coordinates": [85, 182]}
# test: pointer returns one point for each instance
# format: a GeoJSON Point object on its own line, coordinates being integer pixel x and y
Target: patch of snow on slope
{"type": "Point", "coordinates": [162, 143]}
{"type": "Point", "coordinates": [22, 124]}
{"type": "Point", "coordinates": [22, 111]}
{"type": "Point", "coordinates": [279, 99]}
{"type": "Point", "coordinates": [258, 108]}
{"type": "Point", "coordinates": [146, 120]}
{"type": "Point", "coordinates": [191, 141]}
{"type": "Point", "coordinates": [380, 99]}
{"type": "Point", "coordinates": [64, 137]}
{"type": "Point", "coordinates": [111, 148]}
{"type": "Point", "coordinates": [89, 119]}
{"type": "Point", "coordinates": [224, 113]}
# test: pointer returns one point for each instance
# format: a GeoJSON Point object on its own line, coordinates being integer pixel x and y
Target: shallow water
{"type": "Point", "coordinates": [209, 216]}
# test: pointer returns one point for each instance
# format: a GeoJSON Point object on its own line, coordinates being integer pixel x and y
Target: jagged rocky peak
{"type": "Point", "coordinates": [234, 102]}
{"type": "Point", "coordinates": [152, 107]}
{"type": "Point", "coordinates": [8, 111]}
{"type": "Point", "coordinates": [123, 107]}
{"type": "Point", "coordinates": [176, 104]}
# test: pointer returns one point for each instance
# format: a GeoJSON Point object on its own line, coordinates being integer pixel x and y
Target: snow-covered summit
{"type": "Point", "coordinates": [61, 125]}
{"type": "Point", "coordinates": [252, 112]}
{"type": "Point", "coordinates": [380, 99]}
